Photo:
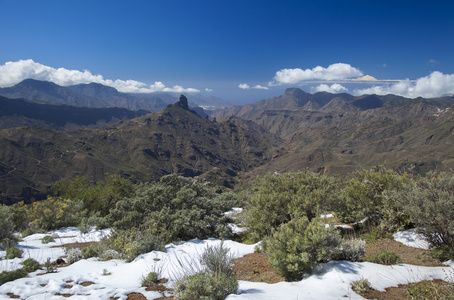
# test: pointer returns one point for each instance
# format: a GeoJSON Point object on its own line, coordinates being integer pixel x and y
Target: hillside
{"type": "Point", "coordinates": [335, 133]}
{"type": "Point", "coordinates": [20, 112]}
{"type": "Point", "coordinates": [175, 140]}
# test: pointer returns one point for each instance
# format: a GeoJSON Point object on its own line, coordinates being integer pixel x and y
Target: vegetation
{"type": "Point", "coordinates": [30, 265]}
{"type": "Point", "coordinates": [7, 238]}
{"type": "Point", "coordinates": [47, 239]}
{"type": "Point", "coordinates": [362, 286]}
{"type": "Point", "coordinates": [384, 257]}
{"type": "Point", "coordinates": [297, 246]}
{"type": "Point", "coordinates": [216, 282]}
{"type": "Point", "coordinates": [14, 252]}
{"type": "Point", "coordinates": [175, 208]}
{"type": "Point", "coordinates": [279, 198]}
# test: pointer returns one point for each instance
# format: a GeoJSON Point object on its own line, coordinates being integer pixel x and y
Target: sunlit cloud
{"type": "Point", "coordinates": [244, 86]}
{"type": "Point", "coordinates": [334, 88]}
{"type": "Point", "coordinates": [435, 85]}
{"type": "Point", "coordinates": [208, 90]}
{"type": "Point", "coordinates": [260, 87]}
{"type": "Point", "coordinates": [337, 71]}
{"type": "Point", "coordinates": [12, 73]}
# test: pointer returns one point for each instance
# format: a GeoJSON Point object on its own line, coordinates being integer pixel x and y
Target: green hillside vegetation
{"type": "Point", "coordinates": [281, 210]}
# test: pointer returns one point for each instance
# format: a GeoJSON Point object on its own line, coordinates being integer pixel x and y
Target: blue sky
{"type": "Point", "coordinates": [217, 46]}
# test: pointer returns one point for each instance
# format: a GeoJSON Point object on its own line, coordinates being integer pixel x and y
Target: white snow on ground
{"type": "Point", "coordinates": [326, 216]}
{"type": "Point", "coordinates": [411, 239]}
{"type": "Point", "coordinates": [329, 281]}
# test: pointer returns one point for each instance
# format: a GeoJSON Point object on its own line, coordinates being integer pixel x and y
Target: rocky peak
{"type": "Point", "coordinates": [183, 102]}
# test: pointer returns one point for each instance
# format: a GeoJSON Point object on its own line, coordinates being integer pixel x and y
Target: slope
{"type": "Point", "coordinates": [175, 140]}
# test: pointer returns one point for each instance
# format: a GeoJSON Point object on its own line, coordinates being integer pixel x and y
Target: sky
{"type": "Point", "coordinates": [239, 50]}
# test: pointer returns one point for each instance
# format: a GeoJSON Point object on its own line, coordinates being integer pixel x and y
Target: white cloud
{"type": "Point", "coordinates": [244, 86]}
{"type": "Point", "coordinates": [334, 88]}
{"type": "Point", "coordinates": [333, 72]}
{"type": "Point", "coordinates": [260, 87]}
{"type": "Point", "coordinates": [208, 90]}
{"type": "Point", "coordinates": [12, 73]}
{"type": "Point", "coordinates": [435, 85]}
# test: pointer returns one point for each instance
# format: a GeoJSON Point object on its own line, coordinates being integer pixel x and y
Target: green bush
{"type": "Point", "coordinates": [6, 276]}
{"type": "Point", "coordinates": [217, 259]}
{"type": "Point", "coordinates": [13, 253]}
{"type": "Point", "coordinates": [7, 226]}
{"type": "Point", "coordinates": [47, 239]}
{"type": "Point", "coordinates": [352, 250]}
{"type": "Point", "coordinates": [92, 251]}
{"type": "Point", "coordinates": [131, 243]}
{"type": "Point", "coordinates": [279, 199]}
{"type": "Point", "coordinates": [175, 208]}
{"type": "Point", "coordinates": [364, 195]}
{"type": "Point", "coordinates": [384, 257]}
{"type": "Point", "coordinates": [151, 279]}
{"type": "Point", "coordinates": [30, 265]}
{"type": "Point", "coordinates": [95, 197]}
{"type": "Point", "coordinates": [205, 286]}
{"type": "Point", "coordinates": [297, 246]}
{"type": "Point", "coordinates": [431, 209]}
{"type": "Point", "coordinates": [53, 213]}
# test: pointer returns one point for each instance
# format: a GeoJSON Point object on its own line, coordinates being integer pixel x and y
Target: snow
{"type": "Point", "coordinates": [411, 238]}
{"type": "Point", "coordinates": [329, 281]}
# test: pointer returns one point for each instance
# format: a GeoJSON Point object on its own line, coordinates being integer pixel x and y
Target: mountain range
{"type": "Point", "coordinates": [328, 133]}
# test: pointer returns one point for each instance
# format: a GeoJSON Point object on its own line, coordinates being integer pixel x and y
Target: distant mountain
{"type": "Point", "coordinates": [175, 140]}
{"type": "Point", "coordinates": [338, 133]}
{"type": "Point", "coordinates": [20, 112]}
{"type": "Point", "coordinates": [99, 96]}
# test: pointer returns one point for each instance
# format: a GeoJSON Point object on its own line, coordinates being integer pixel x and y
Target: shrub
{"type": "Point", "coordinates": [30, 265]}
{"type": "Point", "coordinates": [205, 285]}
{"type": "Point", "coordinates": [53, 213]}
{"type": "Point", "coordinates": [47, 239]}
{"type": "Point", "coordinates": [73, 255]}
{"type": "Point", "coordinates": [432, 209]}
{"type": "Point", "coordinates": [6, 225]}
{"type": "Point", "coordinates": [364, 194]}
{"type": "Point", "coordinates": [217, 259]}
{"type": "Point", "coordinates": [92, 251]}
{"type": "Point", "coordinates": [278, 199]}
{"type": "Point", "coordinates": [97, 197]}
{"type": "Point", "coordinates": [352, 249]}
{"type": "Point", "coordinates": [361, 286]}
{"type": "Point", "coordinates": [175, 208]}
{"type": "Point", "coordinates": [6, 276]}
{"type": "Point", "coordinates": [12, 253]}
{"type": "Point", "coordinates": [110, 254]}
{"type": "Point", "coordinates": [151, 279]}
{"type": "Point", "coordinates": [424, 290]}
{"type": "Point", "coordinates": [30, 231]}
{"type": "Point", "coordinates": [384, 257]}
{"type": "Point", "coordinates": [296, 247]}
{"type": "Point", "coordinates": [49, 267]}
{"type": "Point", "coordinates": [131, 243]}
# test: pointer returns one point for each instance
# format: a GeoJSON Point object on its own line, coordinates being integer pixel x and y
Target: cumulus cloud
{"type": "Point", "coordinates": [337, 71]}
{"type": "Point", "coordinates": [244, 86]}
{"type": "Point", "coordinates": [334, 88]}
{"type": "Point", "coordinates": [208, 90]}
{"type": "Point", "coordinates": [12, 73]}
{"type": "Point", "coordinates": [435, 85]}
